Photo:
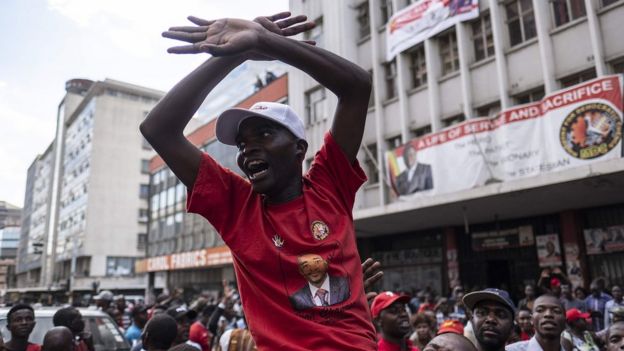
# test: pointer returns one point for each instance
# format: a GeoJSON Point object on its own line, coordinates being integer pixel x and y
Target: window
{"type": "Point", "coordinates": [390, 70]}
{"type": "Point", "coordinates": [418, 132]}
{"type": "Point", "coordinates": [618, 66]}
{"type": "Point", "coordinates": [608, 2]}
{"type": "Point", "coordinates": [530, 96]}
{"type": "Point", "coordinates": [418, 66]}
{"type": "Point", "coordinates": [119, 266]}
{"type": "Point", "coordinates": [143, 215]}
{"type": "Point", "coordinates": [315, 103]}
{"type": "Point", "coordinates": [578, 78]}
{"type": "Point", "coordinates": [142, 241]}
{"type": "Point", "coordinates": [144, 191]}
{"type": "Point", "coordinates": [447, 122]}
{"type": "Point", "coordinates": [448, 53]}
{"type": "Point", "coordinates": [488, 110]}
{"type": "Point", "coordinates": [363, 19]}
{"type": "Point", "coordinates": [385, 10]}
{"type": "Point", "coordinates": [370, 162]}
{"type": "Point", "coordinates": [394, 142]}
{"type": "Point", "coordinates": [482, 37]}
{"type": "Point", "coordinates": [520, 21]}
{"type": "Point", "coordinates": [567, 10]}
{"type": "Point", "coordinates": [145, 166]}
{"type": "Point", "coordinates": [316, 34]}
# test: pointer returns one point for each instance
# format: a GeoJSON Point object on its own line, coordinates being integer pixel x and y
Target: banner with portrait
{"type": "Point", "coordinates": [569, 128]}
{"type": "Point", "coordinates": [548, 250]}
{"type": "Point", "coordinates": [424, 19]}
{"type": "Point", "coordinates": [604, 240]}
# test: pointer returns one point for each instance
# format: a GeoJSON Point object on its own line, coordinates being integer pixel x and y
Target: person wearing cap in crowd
{"type": "Point", "coordinates": [389, 311]}
{"type": "Point", "coordinates": [199, 332]}
{"type": "Point", "coordinates": [617, 301]}
{"type": "Point", "coordinates": [577, 336]}
{"type": "Point", "coordinates": [451, 326]}
{"type": "Point", "coordinates": [492, 318]}
{"type": "Point", "coordinates": [103, 302]}
{"type": "Point", "coordinates": [71, 318]}
{"type": "Point", "coordinates": [20, 323]}
{"type": "Point", "coordinates": [159, 333]}
{"type": "Point", "coordinates": [615, 337]}
{"type": "Point", "coordinates": [596, 302]}
{"type": "Point", "coordinates": [450, 342]}
{"type": "Point", "coordinates": [549, 320]}
{"type": "Point", "coordinates": [183, 318]}
{"type": "Point", "coordinates": [273, 214]}
{"type": "Point", "coordinates": [58, 339]}
{"type": "Point", "coordinates": [523, 319]}
{"type": "Point", "coordinates": [423, 330]}
{"type": "Point", "coordinates": [139, 318]}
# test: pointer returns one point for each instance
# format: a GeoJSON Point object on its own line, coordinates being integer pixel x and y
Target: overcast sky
{"type": "Point", "coordinates": [47, 42]}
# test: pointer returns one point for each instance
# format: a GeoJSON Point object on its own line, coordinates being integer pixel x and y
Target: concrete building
{"type": "Point", "coordinates": [184, 250]}
{"type": "Point", "coordinates": [10, 221]}
{"type": "Point", "coordinates": [514, 53]}
{"type": "Point", "coordinates": [86, 197]}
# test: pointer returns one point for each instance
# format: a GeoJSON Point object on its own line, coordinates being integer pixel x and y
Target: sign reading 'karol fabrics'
{"type": "Point", "coordinates": [185, 260]}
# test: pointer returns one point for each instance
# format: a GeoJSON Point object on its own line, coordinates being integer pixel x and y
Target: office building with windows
{"type": "Point", "coordinates": [513, 52]}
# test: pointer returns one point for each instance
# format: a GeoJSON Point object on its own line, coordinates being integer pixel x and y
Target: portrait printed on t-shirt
{"type": "Point", "coordinates": [321, 281]}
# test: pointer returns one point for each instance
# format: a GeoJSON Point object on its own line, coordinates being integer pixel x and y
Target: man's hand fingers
{"type": "Point", "coordinates": [279, 16]}
{"type": "Point", "coordinates": [368, 283]}
{"type": "Point", "coordinates": [370, 296]}
{"type": "Point", "coordinates": [186, 49]}
{"type": "Point", "coordinates": [290, 21]}
{"type": "Point", "coordinates": [183, 36]}
{"type": "Point", "coordinates": [219, 50]}
{"type": "Point", "coordinates": [294, 30]}
{"type": "Point", "coordinates": [199, 21]}
{"type": "Point", "coordinates": [189, 29]}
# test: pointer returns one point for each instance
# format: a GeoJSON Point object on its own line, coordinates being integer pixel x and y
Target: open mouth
{"type": "Point", "coordinates": [256, 169]}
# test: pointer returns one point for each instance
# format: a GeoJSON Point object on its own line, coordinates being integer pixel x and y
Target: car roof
{"type": "Point", "coordinates": [50, 311]}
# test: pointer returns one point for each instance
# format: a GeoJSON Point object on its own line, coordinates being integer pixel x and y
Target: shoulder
{"type": "Point", "coordinates": [519, 346]}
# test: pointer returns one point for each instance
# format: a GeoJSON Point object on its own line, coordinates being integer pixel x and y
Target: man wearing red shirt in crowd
{"type": "Point", "coordinates": [291, 236]}
{"type": "Point", "coordinates": [199, 330]}
{"type": "Point", "coordinates": [389, 311]}
{"type": "Point", "coordinates": [20, 323]}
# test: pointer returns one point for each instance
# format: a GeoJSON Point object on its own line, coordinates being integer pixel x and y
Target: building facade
{"type": "Point", "coordinates": [85, 221]}
{"type": "Point", "coordinates": [515, 52]}
{"type": "Point", "coordinates": [10, 222]}
{"type": "Point", "coordinates": [184, 250]}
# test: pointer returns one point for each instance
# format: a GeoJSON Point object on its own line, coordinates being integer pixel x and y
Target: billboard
{"type": "Point", "coordinates": [569, 128]}
{"type": "Point", "coordinates": [423, 19]}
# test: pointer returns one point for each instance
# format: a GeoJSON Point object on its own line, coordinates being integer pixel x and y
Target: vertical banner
{"type": "Point", "coordinates": [573, 265]}
{"type": "Point", "coordinates": [423, 19]}
{"type": "Point", "coordinates": [569, 128]}
{"type": "Point", "coordinates": [548, 250]}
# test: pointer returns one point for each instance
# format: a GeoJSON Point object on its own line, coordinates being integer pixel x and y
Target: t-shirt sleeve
{"type": "Point", "coordinates": [332, 170]}
{"type": "Point", "coordinates": [218, 194]}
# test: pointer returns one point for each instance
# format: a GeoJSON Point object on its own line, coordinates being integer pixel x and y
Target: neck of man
{"type": "Point", "coordinates": [480, 347]}
{"type": "Point", "coordinates": [548, 344]}
{"type": "Point", "coordinates": [17, 343]}
{"type": "Point", "coordinates": [397, 340]}
{"type": "Point", "coordinates": [285, 194]}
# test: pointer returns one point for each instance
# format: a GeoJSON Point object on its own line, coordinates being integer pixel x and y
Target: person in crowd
{"type": "Point", "coordinates": [159, 333]}
{"type": "Point", "coordinates": [577, 336]}
{"type": "Point", "coordinates": [549, 321]}
{"type": "Point", "coordinates": [389, 311]}
{"type": "Point", "coordinates": [20, 323]}
{"type": "Point", "coordinates": [104, 302]}
{"type": "Point", "coordinates": [615, 337]}
{"type": "Point", "coordinates": [58, 339]}
{"type": "Point", "coordinates": [596, 303]}
{"type": "Point", "coordinates": [183, 318]}
{"type": "Point", "coordinates": [523, 319]}
{"type": "Point", "coordinates": [551, 280]}
{"type": "Point", "coordinates": [450, 342]}
{"type": "Point", "coordinates": [224, 316]}
{"type": "Point", "coordinates": [618, 316]}
{"type": "Point", "coordinates": [71, 318]}
{"type": "Point", "coordinates": [442, 311]}
{"type": "Point", "coordinates": [423, 330]}
{"type": "Point", "coordinates": [236, 339]}
{"type": "Point", "coordinates": [458, 310]}
{"type": "Point", "coordinates": [199, 332]}
{"type": "Point", "coordinates": [418, 297]}
{"type": "Point", "coordinates": [529, 297]}
{"type": "Point", "coordinates": [275, 210]}
{"type": "Point", "coordinates": [581, 294]}
{"type": "Point", "coordinates": [492, 318]}
{"type": "Point", "coordinates": [428, 304]}
{"type": "Point", "coordinates": [451, 326]}
{"type": "Point", "coordinates": [569, 301]}
{"type": "Point", "coordinates": [122, 314]}
{"type": "Point", "coordinates": [139, 319]}
{"type": "Point", "coordinates": [617, 301]}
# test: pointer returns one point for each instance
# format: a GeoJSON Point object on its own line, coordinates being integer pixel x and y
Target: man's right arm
{"type": "Point", "coordinates": [164, 126]}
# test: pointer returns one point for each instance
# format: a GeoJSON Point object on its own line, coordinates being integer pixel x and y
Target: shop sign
{"type": "Point", "coordinates": [184, 260]}
{"type": "Point", "coordinates": [548, 250]}
{"type": "Point", "coordinates": [604, 240]}
{"type": "Point", "coordinates": [570, 128]}
{"type": "Point", "coordinates": [503, 239]}
{"type": "Point", "coordinates": [430, 255]}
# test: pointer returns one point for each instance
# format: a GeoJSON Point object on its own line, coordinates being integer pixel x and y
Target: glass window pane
{"type": "Point", "coordinates": [578, 8]}
{"type": "Point", "coordinates": [529, 27]}
{"type": "Point", "coordinates": [560, 11]}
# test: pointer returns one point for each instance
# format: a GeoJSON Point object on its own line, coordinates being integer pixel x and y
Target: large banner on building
{"type": "Point", "coordinates": [604, 240]}
{"type": "Point", "coordinates": [569, 128]}
{"type": "Point", "coordinates": [423, 19]}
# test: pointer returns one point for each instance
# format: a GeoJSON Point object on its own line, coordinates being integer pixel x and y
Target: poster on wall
{"type": "Point", "coordinates": [424, 19]}
{"type": "Point", "coordinates": [573, 265]}
{"type": "Point", "coordinates": [573, 127]}
{"type": "Point", "coordinates": [604, 240]}
{"type": "Point", "coordinates": [548, 250]}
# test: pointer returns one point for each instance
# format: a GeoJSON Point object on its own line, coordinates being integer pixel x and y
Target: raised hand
{"type": "Point", "coordinates": [233, 36]}
{"type": "Point", "coordinates": [372, 273]}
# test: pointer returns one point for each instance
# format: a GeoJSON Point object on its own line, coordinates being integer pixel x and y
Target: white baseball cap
{"type": "Point", "coordinates": [230, 120]}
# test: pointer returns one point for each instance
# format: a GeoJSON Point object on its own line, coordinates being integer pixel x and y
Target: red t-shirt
{"type": "Point", "coordinates": [33, 347]}
{"type": "Point", "coordinates": [384, 345]}
{"type": "Point", "coordinates": [199, 334]}
{"type": "Point", "coordinates": [284, 311]}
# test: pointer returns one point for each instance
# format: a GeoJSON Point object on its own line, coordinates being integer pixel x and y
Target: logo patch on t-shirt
{"type": "Point", "coordinates": [320, 230]}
